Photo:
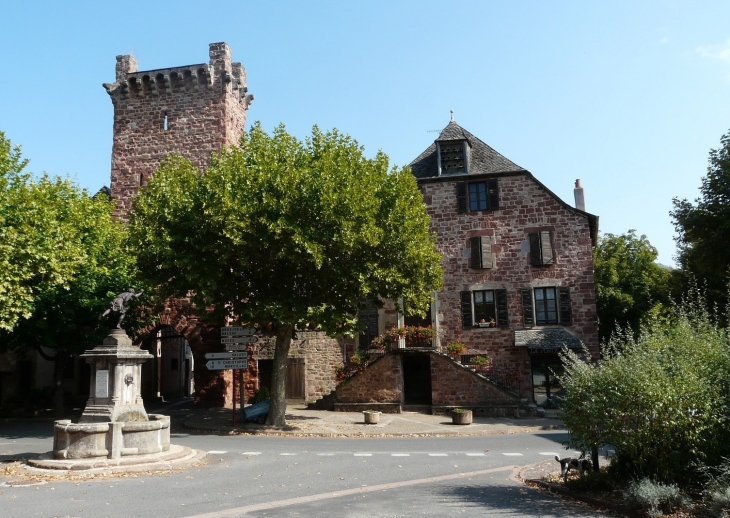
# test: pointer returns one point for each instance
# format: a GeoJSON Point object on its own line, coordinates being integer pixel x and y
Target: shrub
{"type": "Point", "coordinates": [660, 400]}
{"type": "Point", "coordinates": [653, 497]}
{"type": "Point", "coordinates": [260, 395]}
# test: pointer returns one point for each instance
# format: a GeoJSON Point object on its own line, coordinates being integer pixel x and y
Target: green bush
{"type": "Point", "coordinates": [654, 498]}
{"type": "Point", "coordinates": [660, 400]}
{"type": "Point", "coordinates": [260, 395]}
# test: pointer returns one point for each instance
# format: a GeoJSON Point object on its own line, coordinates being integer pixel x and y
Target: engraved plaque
{"type": "Point", "coordinates": [102, 383]}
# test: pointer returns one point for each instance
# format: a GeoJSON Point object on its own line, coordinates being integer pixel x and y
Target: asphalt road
{"type": "Point", "coordinates": [305, 477]}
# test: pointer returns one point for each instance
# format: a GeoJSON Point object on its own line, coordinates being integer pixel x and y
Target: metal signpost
{"type": "Point", "coordinates": [233, 338]}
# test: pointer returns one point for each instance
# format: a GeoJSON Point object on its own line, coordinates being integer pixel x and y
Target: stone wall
{"type": "Point", "coordinates": [382, 381]}
{"type": "Point", "coordinates": [192, 110]}
{"type": "Point", "coordinates": [321, 354]}
{"type": "Point", "coordinates": [525, 206]}
{"type": "Point", "coordinates": [455, 385]}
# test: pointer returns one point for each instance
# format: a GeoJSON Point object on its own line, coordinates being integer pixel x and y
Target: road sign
{"type": "Point", "coordinates": [217, 365]}
{"type": "Point", "coordinates": [235, 347]}
{"type": "Point", "coordinates": [237, 331]}
{"type": "Point", "coordinates": [225, 356]}
{"type": "Point", "coordinates": [239, 339]}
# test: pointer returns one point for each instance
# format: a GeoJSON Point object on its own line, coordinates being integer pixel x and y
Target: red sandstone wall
{"type": "Point", "coordinates": [382, 378]}
{"type": "Point", "coordinates": [206, 109]}
{"type": "Point", "coordinates": [525, 207]}
{"type": "Point", "coordinates": [453, 385]}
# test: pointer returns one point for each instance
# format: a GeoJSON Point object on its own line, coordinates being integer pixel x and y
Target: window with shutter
{"type": "Point", "coordinates": [546, 306]}
{"type": "Point", "coordinates": [481, 252]}
{"type": "Point", "coordinates": [368, 323]}
{"type": "Point", "coordinates": [476, 196]}
{"type": "Point", "coordinates": [541, 249]}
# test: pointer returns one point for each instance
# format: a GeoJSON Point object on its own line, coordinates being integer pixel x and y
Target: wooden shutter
{"type": "Point", "coordinates": [461, 205]}
{"type": "Point", "coordinates": [486, 245]}
{"type": "Point", "coordinates": [535, 256]}
{"type": "Point", "coordinates": [481, 252]}
{"type": "Point", "coordinates": [566, 311]}
{"type": "Point", "coordinates": [502, 315]}
{"type": "Point", "coordinates": [546, 247]}
{"type": "Point", "coordinates": [528, 315]}
{"type": "Point", "coordinates": [476, 252]}
{"type": "Point", "coordinates": [466, 316]}
{"type": "Point", "coordinates": [493, 194]}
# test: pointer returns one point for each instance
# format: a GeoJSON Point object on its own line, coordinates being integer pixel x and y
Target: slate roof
{"type": "Point", "coordinates": [483, 158]}
{"type": "Point", "coordinates": [546, 339]}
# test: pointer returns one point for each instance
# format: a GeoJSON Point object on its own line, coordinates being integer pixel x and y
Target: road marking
{"type": "Point", "coordinates": [438, 454]}
{"type": "Point", "coordinates": [512, 454]}
{"type": "Point", "coordinates": [238, 511]}
{"type": "Point", "coordinates": [250, 453]}
{"type": "Point", "coordinates": [287, 454]}
{"type": "Point", "coordinates": [216, 452]}
{"type": "Point", "coordinates": [549, 453]}
{"type": "Point", "coordinates": [476, 454]}
{"type": "Point", "coordinates": [363, 454]}
{"type": "Point", "coordinates": [400, 454]}
{"type": "Point", "coordinates": [325, 455]}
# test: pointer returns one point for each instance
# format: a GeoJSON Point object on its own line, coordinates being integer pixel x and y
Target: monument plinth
{"type": "Point", "coordinates": [114, 422]}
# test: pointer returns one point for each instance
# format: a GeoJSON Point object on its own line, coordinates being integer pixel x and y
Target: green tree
{"type": "Point", "coordinates": [629, 282]}
{"type": "Point", "coordinates": [62, 258]}
{"type": "Point", "coordinates": [283, 233]}
{"type": "Point", "coordinates": [659, 400]}
{"type": "Point", "coordinates": [703, 227]}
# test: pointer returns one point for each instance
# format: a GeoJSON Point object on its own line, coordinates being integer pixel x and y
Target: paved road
{"type": "Point", "coordinates": [306, 477]}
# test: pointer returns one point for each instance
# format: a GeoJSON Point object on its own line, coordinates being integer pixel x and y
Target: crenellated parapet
{"type": "Point", "coordinates": [220, 74]}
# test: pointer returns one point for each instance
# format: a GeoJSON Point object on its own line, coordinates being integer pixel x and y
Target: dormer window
{"type": "Point", "coordinates": [453, 157]}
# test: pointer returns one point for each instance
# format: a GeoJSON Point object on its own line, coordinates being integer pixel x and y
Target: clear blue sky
{"type": "Point", "coordinates": [627, 96]}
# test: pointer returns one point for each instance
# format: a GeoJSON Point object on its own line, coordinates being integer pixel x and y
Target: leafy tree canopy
{"type": "Point", "coordinates": [284, 232]}
{"type": "Point", "coordinates": [703, 227]}
{"type": "Point", "coordinates": [629, 282]}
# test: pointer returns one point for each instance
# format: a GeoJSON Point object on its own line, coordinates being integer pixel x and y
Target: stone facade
{"type": "Point", "coordinates": [192, 110]}
{"type": "Point", "coordinates": [320, 353]}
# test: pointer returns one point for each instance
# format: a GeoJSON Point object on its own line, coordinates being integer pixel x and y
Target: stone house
{"type": "Point", "coordinates": [518, 286]}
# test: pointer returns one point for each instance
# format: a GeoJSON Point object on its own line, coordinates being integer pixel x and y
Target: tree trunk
{"type": "Point", "coordinates": [277, 403]}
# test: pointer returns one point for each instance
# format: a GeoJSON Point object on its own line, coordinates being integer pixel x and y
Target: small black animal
{"type": "Point", "coordinates": [568, 463]}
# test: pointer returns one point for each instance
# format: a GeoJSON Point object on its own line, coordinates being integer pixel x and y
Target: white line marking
{"type": "Point", "coordinates": [250, 453]}
{"type": "Point", "coordinates": [549, 453]}
{"type": "Point", "coordinates": [438, 454]}
{"type": "Point", "coordinates": [325, 455]}
{"type": "Point", "coordinates": [476, 454]}
{"type": "Point", "coordinates": [238, 511]}
{"type": "Point", "coordinates": [400, 454]}
{"type": "Point", "coordinates": [512, 454]}
{"type": "Point", "coordinates": [287, 454]}
{"type": "Point", "coordinates": [216, 452]}
{"type": "Point", "coordinates": [363, 454]}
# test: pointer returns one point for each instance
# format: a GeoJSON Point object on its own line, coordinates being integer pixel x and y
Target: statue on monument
{"type": "Point", "coordinates": [118, 305]}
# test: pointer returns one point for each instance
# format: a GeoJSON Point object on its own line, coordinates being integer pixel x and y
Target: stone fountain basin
{"type": "Point", "coordinates": [111, 439]}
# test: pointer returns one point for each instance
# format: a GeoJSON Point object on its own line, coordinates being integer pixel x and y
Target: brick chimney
{"type": "Point", "coordinates": [580, 201]}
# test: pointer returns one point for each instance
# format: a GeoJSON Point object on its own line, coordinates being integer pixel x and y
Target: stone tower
{"type": "Point", "coordinates": [192, 110]}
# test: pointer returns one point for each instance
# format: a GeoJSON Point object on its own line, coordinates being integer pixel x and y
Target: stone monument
{"type": "Point", "coordinates": [114, 423]}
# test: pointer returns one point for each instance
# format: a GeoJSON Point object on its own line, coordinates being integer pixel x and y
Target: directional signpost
{"type": "Point", "coordinates": [217, 365]}
{"type": "Point", "coordinates": [225, 356]}
{"type": "Point", "coordinates": [233, 338]}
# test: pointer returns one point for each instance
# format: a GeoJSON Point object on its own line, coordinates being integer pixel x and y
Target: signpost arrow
{"type": "Point", "coordinates": [225, 356]}
{"type": "Point", "coordinates": [237, 331]}
{"type": "Point", "coordinates": [239, 339]}
{"type": "Point", "coordinates": [217, 365]}
{"type": "Point", "coordinates": [235, 347]}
